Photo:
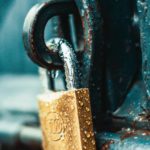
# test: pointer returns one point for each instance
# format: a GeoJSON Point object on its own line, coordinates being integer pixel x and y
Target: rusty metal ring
{"type": "Point", "coordinates": [33, 31]}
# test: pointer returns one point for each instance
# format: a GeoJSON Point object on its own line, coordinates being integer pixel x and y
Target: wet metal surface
{"type": "Point", "coordinates": [69, 60]}
{"type": "Point", "coordinates": [113, 61]}
{"type": "Point", "coordinates": [34, 32]}
{"type": "Point", "coordinates": [65, 117]}
{"type": "Point", "coordinates": [131, 140]}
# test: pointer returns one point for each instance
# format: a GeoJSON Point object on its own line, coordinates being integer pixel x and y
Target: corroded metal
{"type": "Point", "coordinates": [125, 139]}
{"type": "Point", "coordinates": [33, 31]}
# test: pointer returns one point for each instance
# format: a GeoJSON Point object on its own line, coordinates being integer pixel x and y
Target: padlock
{"type": "Point", "coordinates": [65, 116]}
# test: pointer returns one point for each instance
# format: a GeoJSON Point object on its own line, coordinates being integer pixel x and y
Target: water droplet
{"type": "Point", "coordinates": [143, 134]}
{"type": "Point", "coordinates": [72, 107]}
{"type": "Point", "coordinates": [69, 129]}
{"type": "Point", "coordinates": [88, 122]}
{"type": "Point", "coordinates": [85, 140]}
{"type": "Point", "coordinates": [92, 134]}
{"type": "Point", "coordinates": [93, 142]}
{"type": "Point", "coordinates": [88, 135]}
{"type": "Point", "coordinates": [81, 103]}
{"type": "Point", "coordinates": [87, 109]}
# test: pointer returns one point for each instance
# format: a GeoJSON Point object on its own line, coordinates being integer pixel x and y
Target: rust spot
{"type": "Point", "coordinates": [135, 133]}
{"type": "Point", "coordinates": [106, 145]}
{"type": "Point", "coordinates": [128, 135]}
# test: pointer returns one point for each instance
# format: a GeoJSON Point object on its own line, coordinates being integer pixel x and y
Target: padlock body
{"type": "Point", "coordinates": [66, 120]}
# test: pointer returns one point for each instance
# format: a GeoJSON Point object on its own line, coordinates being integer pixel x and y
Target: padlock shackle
{"type": "Point", "coordinates": [70, 63]}
{"type": "Point", "coordinates": [33, 31]}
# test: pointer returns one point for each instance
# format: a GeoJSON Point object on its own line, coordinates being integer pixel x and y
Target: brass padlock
{"type": "Point", "coordinates": [65, 116]}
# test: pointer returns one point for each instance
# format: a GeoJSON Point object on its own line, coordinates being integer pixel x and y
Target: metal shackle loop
{"type": "Point", "coordinates": [40, 14]}
{"type": "Point", "coordinates": [68, 57]}
{"type": "Point", "coordinates": [33, 31]}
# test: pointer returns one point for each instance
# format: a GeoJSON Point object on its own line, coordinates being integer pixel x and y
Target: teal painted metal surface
{"type": "Point", "coordinates": [123, 141]}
